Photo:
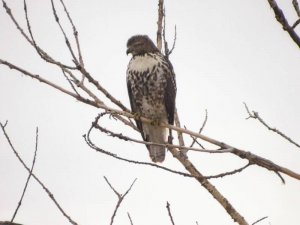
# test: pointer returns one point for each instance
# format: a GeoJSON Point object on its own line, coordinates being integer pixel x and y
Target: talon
{"type": "Point", "coordinates": [137, 115]}
{"type": "Point", "coordinates": [155, 122]}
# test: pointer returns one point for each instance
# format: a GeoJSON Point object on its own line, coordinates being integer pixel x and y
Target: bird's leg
{"type": "Point", "coordinates": [170, 137]}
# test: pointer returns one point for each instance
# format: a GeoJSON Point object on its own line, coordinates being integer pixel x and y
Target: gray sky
{"type": "Point", "coordinates": [227, 53]}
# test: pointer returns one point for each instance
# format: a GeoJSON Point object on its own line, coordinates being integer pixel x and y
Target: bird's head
{"type": "Point", "coordinates": [140, 44]}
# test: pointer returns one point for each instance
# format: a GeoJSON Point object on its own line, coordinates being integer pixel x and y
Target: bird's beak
{"type": "Point", "coordinates": [129, 50]}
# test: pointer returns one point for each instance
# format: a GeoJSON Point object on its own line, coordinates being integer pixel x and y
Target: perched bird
{"type": "Point", "coordinates": [152, 91]}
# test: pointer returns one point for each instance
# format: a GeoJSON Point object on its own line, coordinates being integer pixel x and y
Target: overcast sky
{"type": "Point", "coordinates": [227, 53]}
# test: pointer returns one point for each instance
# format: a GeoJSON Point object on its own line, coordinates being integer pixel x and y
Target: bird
{"type": "Point", "coordinates": [152, 91]}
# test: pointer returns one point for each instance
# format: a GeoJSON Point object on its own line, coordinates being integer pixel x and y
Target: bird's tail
{"type": "Point", "coordinates": [157, 135]}
{"type": "Point", "coordinates": [157, 153]}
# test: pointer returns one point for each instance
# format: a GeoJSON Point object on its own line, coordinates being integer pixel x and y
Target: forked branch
{"type": "Point", "coordinates": [120, 198]}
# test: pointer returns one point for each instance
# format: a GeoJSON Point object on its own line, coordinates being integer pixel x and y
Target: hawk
{"type": "Point", "coordinates": [152, 91]}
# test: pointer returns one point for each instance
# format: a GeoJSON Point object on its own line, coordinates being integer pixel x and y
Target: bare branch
{"type": "Point", "coordinates": [126, 138]}
{"type": "Point", "coordinates": [261, 219]}
{"type": "Point", "coordinates": [29, 176]}
{"type": "Point", "coordinates": [32, 41]}
{"type": "Point", "coordinates": [179, 134]}
{"type": "Point", "coordinates": [229, 173]}
{"type": "Point", "coordinates": [51, 196]}
{"type": "Point", "coordinates": [75, 33]}
{"type": "Point", "coordinates": [131, 223]}
{"type": "Point", "coordinates": [201, 129]}
{"type": "Point", "coordinates": [96, 148]}
{"type": "Point", "coordinates": [280, 17]}
{"type": "Point", "coordinates": [70, 82]}
{"type": "Point", "coordinates": [174, 41]}
{"type": "Point", "coordinates": [170, 214]}
{"type": "Point", "coordinates": [160, 24]}
{"type": "Point", "coordinates": [255, 115]}
{"type": "Point", "coordinates": [8, 223]}
{"type": "Point", "coordinates": [64, 34]}
{"type": "Point", "coordinates": [296, 7]}
{"type": "Point", "coordinates": [43, 80]}
{"type": "Point", "coordinates": [235, 215]}
{"type": "Point", "coordinates": [120, 197]}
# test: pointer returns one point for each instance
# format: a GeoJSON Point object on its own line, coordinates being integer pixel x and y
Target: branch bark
{"type": "Point", "coordinates": [280, 17]}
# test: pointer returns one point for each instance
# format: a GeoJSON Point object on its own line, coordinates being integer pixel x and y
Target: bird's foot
{"type": "Point", "coordinates": [136, 115]}
{"type": "Point", "coordinates": [155, 122]}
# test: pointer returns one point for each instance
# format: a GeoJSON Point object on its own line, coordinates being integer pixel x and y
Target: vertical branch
{"type": "Point", "coordinates": [160, 24]}
{"type": "Point", "coordinates": [29, 176]}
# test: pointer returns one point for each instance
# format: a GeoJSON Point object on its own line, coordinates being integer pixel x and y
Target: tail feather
{"type": "Point", "coordinates": [157, 153]}
{"type": "Point", "coordinates": [157, 135]}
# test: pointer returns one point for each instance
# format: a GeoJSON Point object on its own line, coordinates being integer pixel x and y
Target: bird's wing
{"type": "Point", "coordinates": [170, 94]}
{"type": "Point", "coordinates": [135, 109]}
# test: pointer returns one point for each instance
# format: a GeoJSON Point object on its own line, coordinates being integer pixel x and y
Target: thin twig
{"type": "Point", "coordinates": [64, 34]}
{"type": "Point", "coordinates": [29, 176]}
{"type": "Point", "coordinates": [174, 42]}
{"type": "Point", "coordinates": [201, 129]}
{"type": "Point", "coordinates": [98, 149]}
{"type": "Point", "coordinates": [261, 219]}
{"type": "Point", "coordinates": [43, 80]}
{"type": "Point", "coordinates": [32, 41]}
{"type": "Point", "coordinates": [169, 212]}
{"type": "Point", "coordinates": [131, 223]}
{"type": "Point", "coordinates": [51, 196]}
{"type": "Point", "coordinates": [76, 36]}
{"type": "Point", "coordinates": [70, 82]}
{"type": "Point", "coordinates": [229, 173]}
{"type": "Point", "coordinates": [120, 197]}
{"type": "Point", "coordinates": [255, 115]}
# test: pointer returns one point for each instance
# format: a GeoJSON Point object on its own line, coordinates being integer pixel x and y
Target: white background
{"type": "Point", "coordinates": [227, 53]}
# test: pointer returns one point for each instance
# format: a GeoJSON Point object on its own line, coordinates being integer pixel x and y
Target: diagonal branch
{"type": "Point", "coordinates": [169, 212]}
{"type": "Point", "coordinates": [201, 128]}
{"type": "Point", "coordinates": [296, 7]}
{"type": "Point", "coordinates": [280, 17]}
{"type": "Point", "coordinates": [64, 34]}
{"type": "Point", "coordinates": [29, 176]}
{"type": "Point", "coordinates": [261, 219]}
{"type": "Point", "coordinates": [51, 196]}
{"type": "Point", "coordinates": [254, 115]}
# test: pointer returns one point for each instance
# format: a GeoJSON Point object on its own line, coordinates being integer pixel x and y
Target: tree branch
{"type": "Point", "coordinates": [120, 198]}
{"type": "Point", "coordinates": [170, 214]}
{"type": "Point", "coordinates": [29, 176]}
{"type": "Point", "coordinates": [254, 115]}
{"type": "Point", "coordinates": [51, 196]}
{"type": "Point", "coordinates": [280, 17]}
{"type": "Point", "coordinates": [261, 219]}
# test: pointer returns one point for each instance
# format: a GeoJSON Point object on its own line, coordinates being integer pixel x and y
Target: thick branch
{"type": "Point", "coordinates": [280, 17]}
{"type": "Point", "coordinates": [160, 24]}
